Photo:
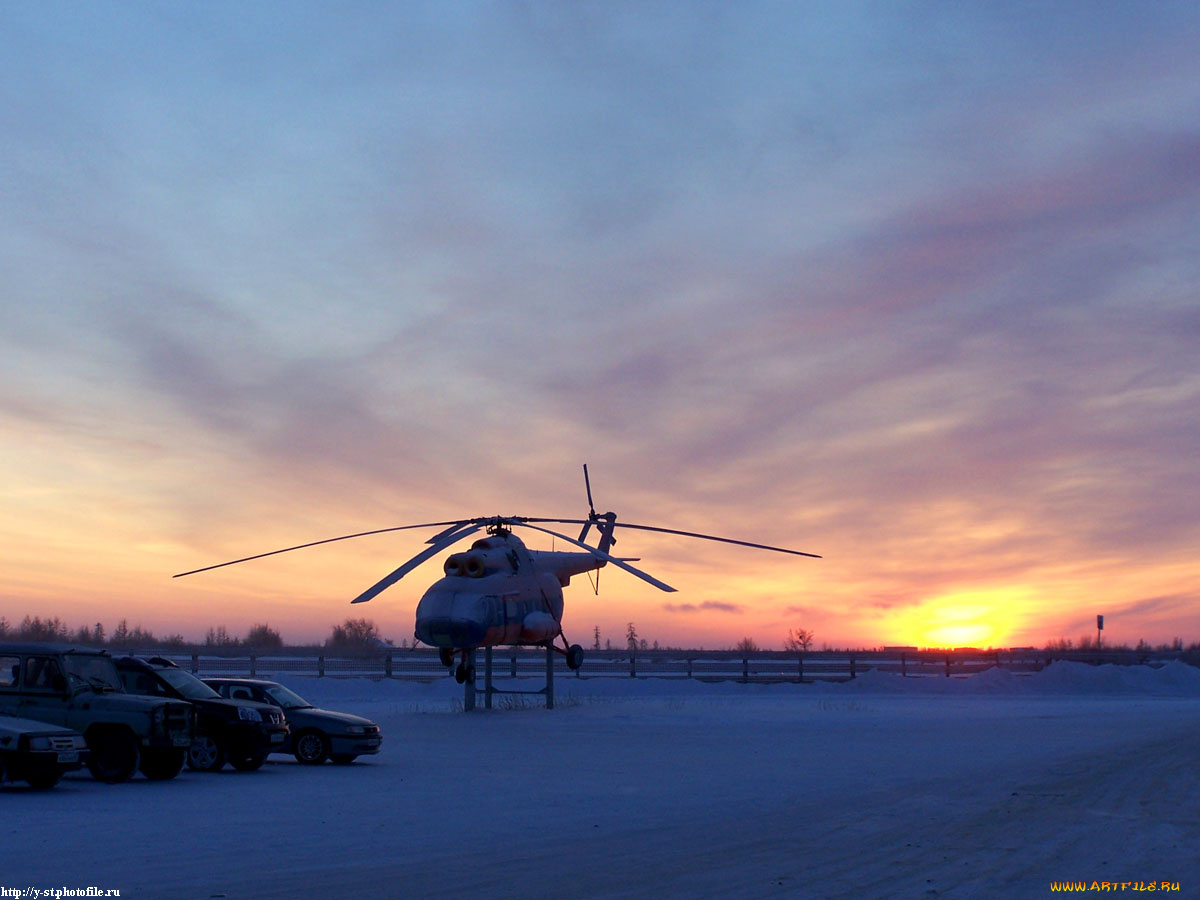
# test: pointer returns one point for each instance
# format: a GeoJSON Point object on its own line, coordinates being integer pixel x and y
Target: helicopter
{"type": "Point", "coordinates": [499, 592]}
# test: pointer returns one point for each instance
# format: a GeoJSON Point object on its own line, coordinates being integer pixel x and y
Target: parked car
{"type": "Point", "coordinates": [315, 734]}
{"type": "Point", "coordinates": [79, 688]}
{"type": "Point", "coordinates": [38, 753]}
{"type": "Point", "coordinates": [240, 732]}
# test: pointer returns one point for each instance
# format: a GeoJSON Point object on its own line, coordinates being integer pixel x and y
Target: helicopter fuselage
{"type": "Point", "coordinates": [498, 593]}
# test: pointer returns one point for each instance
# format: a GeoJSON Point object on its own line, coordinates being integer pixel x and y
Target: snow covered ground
{"type": "Point", "coordinates": [989, 787]}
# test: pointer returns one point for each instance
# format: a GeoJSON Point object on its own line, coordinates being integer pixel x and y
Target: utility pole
{"type": "Point", "coordinates": [1099, 629]}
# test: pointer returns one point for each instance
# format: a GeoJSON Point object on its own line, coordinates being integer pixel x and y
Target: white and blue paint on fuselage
{"type": "Point", "coordinates": [499, 592]}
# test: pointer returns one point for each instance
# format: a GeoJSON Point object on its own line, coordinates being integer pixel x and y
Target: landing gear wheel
{"type": "Point", "coordinates": [247, 763]}
{"type": "Point", "coordinates": [446, 655]}
{"type": "Point", "coordinates": [574, 657]}
{"type": "Point", "coordinates": [311, 748]}
{"type": "Point", "coordinates": [114, 757]}
{"type": "Point", "coordinates": [206, 754]}
{"type": "Point", "coordinates": [162, 765]}
{"type": "Point", "coordinates": [460, 674]}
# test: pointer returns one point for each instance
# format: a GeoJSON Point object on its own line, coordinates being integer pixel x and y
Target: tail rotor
{"type": "Point", "coordinates": [604, 523]}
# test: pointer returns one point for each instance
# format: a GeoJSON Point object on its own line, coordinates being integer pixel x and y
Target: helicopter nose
{"type": "Point", "coordinates": [443, 632]}
{"type": "Point", "coordinates": [445, 619]}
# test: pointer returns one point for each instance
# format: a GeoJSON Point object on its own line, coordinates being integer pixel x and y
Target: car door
{"type": "Point", "coordinates": [44, 694]}
{"type": "Point", "coordinates": [263, 697]}
{"type": "Point", "coordinates": [10, 674]}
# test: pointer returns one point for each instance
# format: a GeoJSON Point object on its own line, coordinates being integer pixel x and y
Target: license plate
{"type": "Point", "coordinates": [65, 756]}
{"type": "Point", "coordinates": [277, 738]}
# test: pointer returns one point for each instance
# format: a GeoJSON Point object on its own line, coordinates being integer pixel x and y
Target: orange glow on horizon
{"type": "Point", "coordinates": [968, 619]}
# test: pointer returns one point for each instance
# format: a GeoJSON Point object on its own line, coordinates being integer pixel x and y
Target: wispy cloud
{"type": "Point", "coordinates": [707, 605]}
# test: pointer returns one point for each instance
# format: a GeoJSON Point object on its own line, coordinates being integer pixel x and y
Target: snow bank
{"type": "Point", "coordinates": [1174, 679]}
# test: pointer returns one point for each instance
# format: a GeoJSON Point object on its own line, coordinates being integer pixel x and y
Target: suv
{"type": "Point", "coordinates": [37, 752]}
{"type": "Point", "coordinates": [79, 688]}
{"type": "Point", "coordinates": [317, 734]}
{"type": "Point", "coordinates": [240, 731]}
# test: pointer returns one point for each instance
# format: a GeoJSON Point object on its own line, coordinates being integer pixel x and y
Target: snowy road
{"type": "Point", "coordinates": [883, 788]}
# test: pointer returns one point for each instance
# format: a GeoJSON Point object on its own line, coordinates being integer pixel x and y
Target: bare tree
{"type": "Point", "coordinates": [264, 637]}
{"type": "Point", "coordinates": [218, 637]}
{"type": "Point", "coordinates": [746, 645]}
{"type": "Point", "coordinates": [354, 634]}
{"type": "Point", "coordinates": [798, 640]}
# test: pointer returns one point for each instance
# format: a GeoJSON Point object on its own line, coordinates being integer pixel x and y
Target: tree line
{"type": "Point", "coordinates": [359, 635]}
{"type": "Point", "coordinates": [350, 635]}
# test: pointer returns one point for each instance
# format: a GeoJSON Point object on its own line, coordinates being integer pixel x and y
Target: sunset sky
{"type": "Point", "coordinates": [912, 286]}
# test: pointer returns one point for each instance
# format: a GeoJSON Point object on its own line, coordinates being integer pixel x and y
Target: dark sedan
{"type": "Point", "coordinates": [315, 734]}
{"type": "Point", "coordinates": [241, 734]}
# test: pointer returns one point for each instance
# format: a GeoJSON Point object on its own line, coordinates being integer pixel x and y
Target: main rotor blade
{"type": "Point", "coordinates": [693, 534]}
{"type": "Point", "coordinates": [344, 537]}
{"type": "Point", "coordinates": [384, 583]}
{"type": "Point", "coordinates": [454, 526]}
{"type": "Point", "coordinates": [599, 554]}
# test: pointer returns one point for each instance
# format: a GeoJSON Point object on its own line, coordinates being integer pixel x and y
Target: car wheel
{"type": "Point", "coordinates": [311, 747]}
{"type": "Point", "coordinates": [206, 754]}
{"type": "Point", "coordinates": [44, 780]}
{"type": "Point", "coordinates": [162, 765]}
{"type": "Point", "coordinates": [247, 763]}
{"type": "Point", "coordinates": [344, 759]}
{"type": "Point", "coordinates": [114, 757]}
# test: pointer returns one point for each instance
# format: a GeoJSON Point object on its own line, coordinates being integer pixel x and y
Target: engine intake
{"type": "Point", "coordinates": [470, 565]}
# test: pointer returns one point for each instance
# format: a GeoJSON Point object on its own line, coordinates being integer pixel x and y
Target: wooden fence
{"type": "Point", "coordinates": [762, 666]}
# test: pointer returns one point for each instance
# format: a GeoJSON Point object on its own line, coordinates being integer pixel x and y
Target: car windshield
{"type": "Point", "coordinates": [285, 698]}
{"type": "Point", "coordinates": [96, 672]}
{"type": "Point", "coordinates": [187, 684]}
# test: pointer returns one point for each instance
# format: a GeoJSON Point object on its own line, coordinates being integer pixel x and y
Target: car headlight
{"type": "Point", "coordinates": [39, 743]}
{"type": "Point", "coordinates": [356, 729]}
{"type": "Point", "coordinates": [249, 714]}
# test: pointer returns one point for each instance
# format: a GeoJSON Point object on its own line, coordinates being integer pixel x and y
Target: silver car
{"type": "Point", "coordinates": [315, 734]}
{"type": "Point", "coordinates": [38, 753]}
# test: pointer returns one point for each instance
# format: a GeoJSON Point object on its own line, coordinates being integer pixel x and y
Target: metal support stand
{"type": "Point", "coordinates": [489, 689]}
{"type": "Point", "coordinates": [487, 678]}
{"type": "Point", "coordinates": [469, 685]}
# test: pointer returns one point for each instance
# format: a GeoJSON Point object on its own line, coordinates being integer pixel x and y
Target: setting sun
{"type": "Point", "coordinates": [974, 619]}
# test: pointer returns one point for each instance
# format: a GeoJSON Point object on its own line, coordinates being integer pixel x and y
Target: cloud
{"type": "Point", "coordinates": [713, 605]}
